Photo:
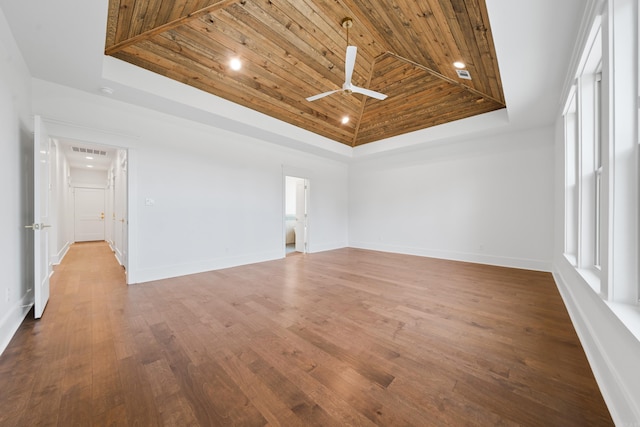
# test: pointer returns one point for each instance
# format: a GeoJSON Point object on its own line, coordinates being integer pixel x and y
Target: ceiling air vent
{"type": "Point", "coordinates": [89, 151]}
{"type": "Point", "coordinates": [464, 74]}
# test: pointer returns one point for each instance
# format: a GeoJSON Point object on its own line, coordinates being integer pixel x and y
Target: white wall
{"type": "Point", "coordinates": [16, 186]}
{"type": "Point", "coordinates": [218, 196]}
{"type": "Point", "coordinates": [487, 200]}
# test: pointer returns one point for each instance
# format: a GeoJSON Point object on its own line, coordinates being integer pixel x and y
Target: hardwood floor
{"type": "Point", "coordinates": [346, 337]}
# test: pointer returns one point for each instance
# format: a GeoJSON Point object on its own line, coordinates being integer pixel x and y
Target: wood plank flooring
{"type": "Point", "coordinates": [346, 337]}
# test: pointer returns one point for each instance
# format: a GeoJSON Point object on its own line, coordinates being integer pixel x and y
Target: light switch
{"type": "Point", "coordinates": [149, 202]}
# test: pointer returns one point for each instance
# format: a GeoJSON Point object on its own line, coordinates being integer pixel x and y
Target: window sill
{"type": "Point", "coordinates": [571, 259]}
{"type": "Point", "coordinates": [629, 315]}
{"type": "Point", "coordinates": [591, 277]}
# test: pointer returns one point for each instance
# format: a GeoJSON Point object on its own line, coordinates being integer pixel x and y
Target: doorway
{"type": "Point", "coordinates": [59, 165]}
{"type": "Point", "coordinates": [92, 199]}
{"type": "Point", "coordinates": [69, 195]}
{"type": "Point", "coordinates": [296, 215]}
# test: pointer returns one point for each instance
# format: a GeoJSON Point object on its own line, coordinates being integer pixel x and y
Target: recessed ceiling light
{"type": "Point", "coordinates": [235, 64]}
{"type": "Point", "coordinates": [89, 166]}
{"type": "Point", "coordinates": [345, 120]}
{"type": "Point", "coordinates": [89, 158]}
{"type": "Point", "coordinates": [459, 64]}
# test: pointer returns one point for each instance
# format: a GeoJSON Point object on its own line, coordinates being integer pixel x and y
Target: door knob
{"type": "Point", "coordinates": [37, 226]}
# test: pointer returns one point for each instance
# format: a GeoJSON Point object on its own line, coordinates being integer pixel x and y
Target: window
{"type": "Point", "coordinates": [571, 179]}
{"type": "Point", "coordinates": [598, 201]}
{"type": "Point", "coordinates": [583, 167]}
{"type": "Point", "coordinates": [602, 157]}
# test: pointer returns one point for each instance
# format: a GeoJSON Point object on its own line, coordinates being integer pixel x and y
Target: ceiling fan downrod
{"type": "Point", "coordinates": [347, 23]}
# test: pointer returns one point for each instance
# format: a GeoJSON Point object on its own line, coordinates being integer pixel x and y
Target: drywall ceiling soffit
{"type": "Point", "coordinates": [292, 50]}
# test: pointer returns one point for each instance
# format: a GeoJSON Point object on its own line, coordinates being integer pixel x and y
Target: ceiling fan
{"type": "Point", "coordinates": [350, 62]}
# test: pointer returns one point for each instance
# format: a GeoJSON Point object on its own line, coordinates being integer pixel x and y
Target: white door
{"type": "Point", "coordinates": [41, 220]}
{"type": "Point", "coordinates": [121, 210]}
{"type": "Point", "coordinates": [302, 187]}
{"type": "Point", "coordinates": [89, 214]}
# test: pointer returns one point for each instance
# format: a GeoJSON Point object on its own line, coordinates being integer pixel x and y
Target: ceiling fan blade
{"type": "Point", "coordinates": [322, 95]}
{"type": "Point", "coordinates": [349, 63]}
{"type": "Point", "coordinates": [371, 93]}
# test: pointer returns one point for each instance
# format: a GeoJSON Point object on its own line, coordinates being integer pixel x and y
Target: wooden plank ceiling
{"type": "Point", "coordinates": [291, 50]}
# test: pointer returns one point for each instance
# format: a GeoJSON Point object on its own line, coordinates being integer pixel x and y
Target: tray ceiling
{"type": "Point", "coordinates": [291, 50]}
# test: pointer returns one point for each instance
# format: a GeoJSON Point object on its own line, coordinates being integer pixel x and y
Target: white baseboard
{"type": "Point", "coordinates": [612, 350]}
{"type": "Point", "coordinates": [13, 319]}
{"type": "Point", "coordinates": [501, 261]}
{"type": "Point", "coordinates": [166, 272]}
{"type": "Point", "coordinates": [327, 247]}
{"type": "Point", "coordinates": [57, 258]}
{"type": "Point", "coordinates": [119, 256]}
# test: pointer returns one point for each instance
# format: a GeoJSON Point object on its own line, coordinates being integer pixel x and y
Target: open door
{"type": "Point", "coordinates": [41, 220]}
{"type": "Point", "coordinates": [302, 187]}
